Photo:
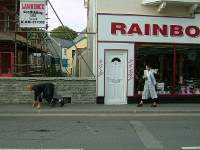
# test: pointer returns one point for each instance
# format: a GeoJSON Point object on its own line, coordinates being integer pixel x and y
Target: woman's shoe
{"type": "Point", "coordinates": [154, 105]}
{"type": "Point", "coordinates": [35, 104]}
{"type": "Point", "coordinates": [140, 105]}
{"type": "Point", "coordinates": [38, 106]}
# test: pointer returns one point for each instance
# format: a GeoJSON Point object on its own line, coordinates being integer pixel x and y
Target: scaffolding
{"type": "Point", "coordinates": [24, 51]}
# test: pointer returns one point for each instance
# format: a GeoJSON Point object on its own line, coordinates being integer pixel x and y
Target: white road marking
{"type": "Point", "coordinates": [98, 114]}
{"type": "Point", "coordinates": [190, 148]}
{"type": "Point", "coordinates": [36, 149]}
{"type": "Point", "coordinates": [145, 136]}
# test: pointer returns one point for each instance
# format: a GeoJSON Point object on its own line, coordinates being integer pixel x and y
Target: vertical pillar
{"type": "Point", "coordinates": [174, 69]}
{"type": "Point", "coordinates": [161, 67]}
{"type": "Point", "coordinates": [27, 60]}
{"type": "Point", "coordinates": [181, 60]}
{"type": "Point", "coordinates": [15, 55]}
{"type": "Point", "coordinates": [0, 63]}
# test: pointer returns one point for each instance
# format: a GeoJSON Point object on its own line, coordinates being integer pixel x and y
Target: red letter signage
{"type": "Point", "coordinates": [135, 28]}
{"type": "Point", "coordinates": [176, 30]}
{"type": "Point", "coordinates": [118, 27]}
{"type": "Point", "coordinates": [192, 31]}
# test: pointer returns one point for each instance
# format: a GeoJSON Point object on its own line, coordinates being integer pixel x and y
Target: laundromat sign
{"type": "Point", "coordinates": [149, 29]}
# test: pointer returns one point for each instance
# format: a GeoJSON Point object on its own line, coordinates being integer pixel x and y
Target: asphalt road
{"type": "Point", "coordinates": [100, 133]}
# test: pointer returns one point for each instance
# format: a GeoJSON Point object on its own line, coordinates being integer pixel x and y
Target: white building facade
{"type": "Point", "coordinates": [129, 34]}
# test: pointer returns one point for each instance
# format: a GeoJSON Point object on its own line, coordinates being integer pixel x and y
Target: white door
{"type": "Point", "coordinates": [115, 77]}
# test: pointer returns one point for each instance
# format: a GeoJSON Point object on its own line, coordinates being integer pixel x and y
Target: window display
{"type": "Point", "coordinates": [188, 71]}
{"type": "Point", "coordinates": [178, 65]}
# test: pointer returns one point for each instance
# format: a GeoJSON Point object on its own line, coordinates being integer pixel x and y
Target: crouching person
{"type": "Point", "coordinates": [44, 91]}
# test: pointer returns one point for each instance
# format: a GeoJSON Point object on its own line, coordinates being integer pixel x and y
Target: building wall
{"type": "Point", "coordinates": [84, 70]}
{"type": "Point", "coordinates": [136, 7]}
{"type": "Point", "coordinates": [86, 54]}
{"type": "Point", "coordinates": [81, 90]}
{"type": "Point", "coordinates": [91, 27]}
{"type": "Point", "coordinates": [70, 60]}
{"type": "Point", "coordinates": [77, 62]}
{"type": "Point", "coordinates": [64, 57]}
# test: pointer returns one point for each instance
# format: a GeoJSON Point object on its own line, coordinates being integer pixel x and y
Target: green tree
{"type": "Point", "coordinates": [64, 33]}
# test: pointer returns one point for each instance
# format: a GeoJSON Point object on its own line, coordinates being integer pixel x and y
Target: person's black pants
{"type": "Point", "coordinates": [49, 92]}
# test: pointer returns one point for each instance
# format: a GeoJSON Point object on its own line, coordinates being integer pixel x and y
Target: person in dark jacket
{"type": "Point", "coordinates": [43, 91]}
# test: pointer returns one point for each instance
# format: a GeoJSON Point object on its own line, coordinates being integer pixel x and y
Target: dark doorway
{"type": "Point", "coordinates": [6, 64]}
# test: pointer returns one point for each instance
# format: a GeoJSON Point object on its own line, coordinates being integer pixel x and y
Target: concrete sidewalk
{"type": "Point", "coordinates": [100, 108]}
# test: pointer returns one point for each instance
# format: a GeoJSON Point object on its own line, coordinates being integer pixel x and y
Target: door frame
{"type": "Point", "coordinates": [125, 77]}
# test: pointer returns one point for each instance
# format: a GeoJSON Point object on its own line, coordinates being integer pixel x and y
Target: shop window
{"type": "Point", "coordinates": [158, 57]}
{"type": "Point", "coordinates": [188, 70]}
{"type": "Point", "coordinates": [178, 65]}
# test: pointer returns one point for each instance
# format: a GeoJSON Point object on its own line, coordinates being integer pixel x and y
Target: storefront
{"type": "Point", "coordinates": [127, 42]}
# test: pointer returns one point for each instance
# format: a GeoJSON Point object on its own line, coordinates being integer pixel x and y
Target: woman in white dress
{"type": "Point", "coordinates": [149, 90]}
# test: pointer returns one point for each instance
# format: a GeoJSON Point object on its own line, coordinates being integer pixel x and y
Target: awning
{"type": "Point", "coordinates": [192, 5]}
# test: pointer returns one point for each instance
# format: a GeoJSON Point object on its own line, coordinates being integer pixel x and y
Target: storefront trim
{"type": "Point", "coordinates": [129, 47]}
{"type": "Point", "coordinates": [175, 29]}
